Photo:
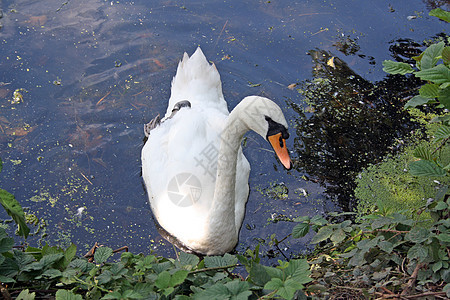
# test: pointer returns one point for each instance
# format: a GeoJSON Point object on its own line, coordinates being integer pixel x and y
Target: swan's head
{"type": "Point", "coordinates": [265, 117]}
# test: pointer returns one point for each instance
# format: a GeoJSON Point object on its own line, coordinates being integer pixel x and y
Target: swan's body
{"type": "Point", "coordinates": [192, 163]}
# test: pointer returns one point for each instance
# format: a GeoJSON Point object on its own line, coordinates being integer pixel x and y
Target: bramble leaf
{"type": "Point", "coordinates": [300, 230]}
{"type": "Point", "coordinates": [67, 295]}
{"type": "Point", "coordinates": [238, 289]}
{"type": "Point", "coordinates": [417, 235]}
{"type": "Point", "coordinates": [26, 295]}
{"type": "Point", "coordinates": [6, 244]}
{"type": "Point", "coordinates": [102, 254]}
{"type": "Point", "coordinates": [323, 233]}
{"type": "Point", "coordinates": [220, 261]}
{"type": "Point", "coordinates": [417, 251]}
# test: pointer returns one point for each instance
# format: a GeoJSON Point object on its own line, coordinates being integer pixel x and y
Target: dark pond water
{"type": "Point", "coordinates": [92, 72]}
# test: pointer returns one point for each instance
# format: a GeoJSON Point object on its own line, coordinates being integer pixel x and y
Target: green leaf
{"type": "Point", "coordinates": [238, 289]}
{"type": "Point", "coordinates": [274, 272]}
{"type": "Point", "coordinates": [130, 294]}
{"type": "Point", "coordinates": [26, 295]}
{"type": "Point", "coordinates": [178, 277]}
{"type": "Point", "coordinates": [217, 291]}
{"type": "Point", "coordinates": [442, 133]}
{"type": "Point", "coordinates": [258, 275]}
{"type": "Point", "coordinates": [67, 295]}
{"type": "Point", "coordinates": [220, 261]}
{"type": "Point", "coordinates": [14, 209]}
{"type": "Point", "coordinates": [300, 230]}
{"type": "Point", "coordinates": [444, 237]}
{"type": "Point", "coordinates": [416, 101]}
{"type": "Point", "coordinates": [338, 236]}
{"type": "Point", "coordinates": [50, 274]}
{"type": "Point", "coordinates": [318, 220]}
{"type": "Point", "coordinates": [431, 56]}
{"type": "Point", "coordinates": [417, 235]}
{"type": "Point", "coordinates": [69, 254]}
{"type": "Point", "coordinates": [46, 262]}
{"type": "Point", "coordinates": [418, 251]}
{"type": "Point", "coordinates": [163, 280]}
{"type": "Point", "coordinates": [393, 67]}
{"type": "Point", "coordinates": [386, 246]}
{"type": "Point", "coordinates": [6, 244]}
{"type": "Point", "coordinates": [438, 74]}
{"type": "Point", "coordinates": [187, 259]}
{"type": "Point", "coordinates": [425, 168]}
{"type": "Point", "coordinates": [102, 254]}
{"type": "Point", "coordinates": [323, 234]}
{"type": "Point", "coordinates": [6, 279]}
{"type": "Point", "coordinates": [446, 55]}
{"type": "Point", "coordinates": [113, 295]}
{"type": "Point", "coordinates": [441, 14]}
{"type": "Point", "coordinates": [302, 219]}
{"type": "Point", "coordinates": [381, 222]}
{"type": "Point", "coordinates": [423, 152]}
{"type": "Point", "coordinates": [285, 289]}
{"type": "Point", "coordinates": [437, 266]}
{"type": "Point", "coordinates": [299, 269]}
{"type": "Point", "coordinates": [143, 288]}
{"type": "Point", "coordinates": [274, 284]}
{"type": "Point", "coordinates": [444, 96]}
{"type": "Point", "coordinates": [429, 90]}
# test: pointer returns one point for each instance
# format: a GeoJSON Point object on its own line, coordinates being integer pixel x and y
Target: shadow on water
{"type": "Point", "coordinates": [350, 122]}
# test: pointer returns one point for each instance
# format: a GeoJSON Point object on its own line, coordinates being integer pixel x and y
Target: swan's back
{"type": "Point", "coordinates": [198, 82]}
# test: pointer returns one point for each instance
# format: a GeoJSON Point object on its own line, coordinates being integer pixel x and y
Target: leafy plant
{"type": "Point", "coordinates": [382, 253]}
{"type": "Point", "coordinates": [433, 66]}
{"type": "Point", "coordinates": [57, 271]}
{"type": "Point", "coordinates": [13, 208]}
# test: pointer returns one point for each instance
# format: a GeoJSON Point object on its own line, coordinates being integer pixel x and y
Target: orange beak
{"type": "Point", "coordinates": [279, 145]}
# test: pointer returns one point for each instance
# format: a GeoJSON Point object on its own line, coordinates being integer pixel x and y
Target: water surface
{"type": "Point", "coordinates": [93, 72]}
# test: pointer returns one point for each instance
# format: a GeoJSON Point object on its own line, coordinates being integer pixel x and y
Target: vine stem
{"type": "Point", "coordinates": [91, 285]}
{"type": "Point", "coordinates": [214, 268]}
{"type": "Point", "coordinates": [412, 280]}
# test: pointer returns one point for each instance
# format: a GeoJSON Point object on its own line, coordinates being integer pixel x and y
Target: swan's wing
{"type": "Point", "coordinates": [182, 153]}
{"type": "Point", "coordinates": [242, 188]}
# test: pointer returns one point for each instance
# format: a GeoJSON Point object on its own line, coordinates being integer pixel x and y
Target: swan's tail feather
{"type": "Point", "coordinates": [196, 81]}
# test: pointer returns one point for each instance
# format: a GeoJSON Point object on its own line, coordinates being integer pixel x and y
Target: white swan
{"type": "Point", "coordinates": [193, 167]}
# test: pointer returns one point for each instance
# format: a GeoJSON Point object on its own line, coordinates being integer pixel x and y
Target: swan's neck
{"type": "Point", "coordinates": [222, 217]}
